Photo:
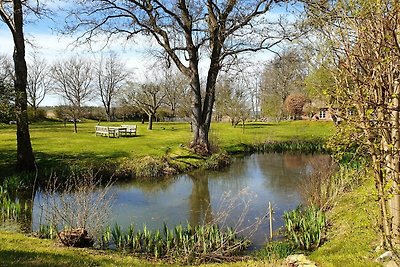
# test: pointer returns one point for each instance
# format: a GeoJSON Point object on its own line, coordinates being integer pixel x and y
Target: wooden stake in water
{"type": "Point", "coordinates": [270, 219]}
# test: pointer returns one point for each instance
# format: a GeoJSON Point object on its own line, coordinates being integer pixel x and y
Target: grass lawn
{"type": "Point", "coordinates": [55, 145]}
{"type": "Point", "coordinates": [353, 236]}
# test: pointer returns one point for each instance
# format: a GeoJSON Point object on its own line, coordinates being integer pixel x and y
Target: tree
{"type": "Point", "coordinates": [232, 101]}
{"type": "Point", "coordinates": [148, 97]}
{"type": "Point", "coordinates": [7, 98]}
{"type": "Point", "coordinates": [176, 88]}
{"type": "Point", "coordinates": [367, 80]}
{"type": "Point", "coordinates": [283, 75]}
{"type": "Point", "coordinates": [12, 14]}
{"type": "Point", "coordinates": [187, 31]}
{"type": "Point", "coordinates": [111, 75]}
{"type": "Point", "coordinates": [38, 82]}
{"type": "Point", "coordinates": [73, 80]}
{"type": "Point", "coordinates": [294, 104]}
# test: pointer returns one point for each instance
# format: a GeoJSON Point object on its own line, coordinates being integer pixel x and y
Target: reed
{"type": "Point", "coordinates": [11, 209]}
{"type": "Point", "coordinates": [305, 227]}
{"type": "Point", "coordinates": [189, 244]}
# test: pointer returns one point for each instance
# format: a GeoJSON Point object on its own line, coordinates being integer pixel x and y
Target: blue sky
{"type": "Point", "coordinates": [48, 43]}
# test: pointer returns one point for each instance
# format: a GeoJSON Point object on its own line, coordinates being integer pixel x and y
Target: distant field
{"type": "Point", "coordinates": [56, 145]}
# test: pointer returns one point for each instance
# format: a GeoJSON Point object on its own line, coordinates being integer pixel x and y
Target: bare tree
{"type": "Point", "coordinates": [7, 98]}
{"type": "Point", "coordinates": [111, 75]}
{"type": "Point", "coordinates": [39, 82]}
{"type": "Point", "coordinates": [148, 97]}
{"type": "Point", "coordinates": [73, 80]}
{"type": "Point", "coordinates": [176, 87]}
{"type": "Point", "coordinates": [188, 31]}
{"type": "Point", "coordinates": [232, 101]}
{"type": "Point", "coordinates": [12, 14]}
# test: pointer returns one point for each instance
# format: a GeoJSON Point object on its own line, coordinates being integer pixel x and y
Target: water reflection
{"type": "Point", "coordinates": [196, 197]}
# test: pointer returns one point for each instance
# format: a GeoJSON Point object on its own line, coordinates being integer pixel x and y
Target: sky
{"type": "Point", "coordinates": [52, 46]}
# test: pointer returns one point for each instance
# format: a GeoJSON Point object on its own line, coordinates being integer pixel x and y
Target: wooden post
{"type": "Point", "coordinates": [270, 219]}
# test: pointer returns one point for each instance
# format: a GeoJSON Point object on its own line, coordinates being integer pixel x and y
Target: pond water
{"type": "Point", "coordinates": [245, 187]}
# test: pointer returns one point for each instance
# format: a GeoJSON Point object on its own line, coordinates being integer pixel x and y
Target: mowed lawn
{"type": "Point", "coordinates": [56, 145]}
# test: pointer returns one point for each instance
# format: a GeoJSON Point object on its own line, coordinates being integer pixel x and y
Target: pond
{"type": "Point", "coordinates": [240, 193]}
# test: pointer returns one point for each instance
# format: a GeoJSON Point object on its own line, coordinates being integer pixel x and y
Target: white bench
{"type": "Point", "coordinates": [129, 130]}
{"type": "Point", "coordinates": [106, 131]}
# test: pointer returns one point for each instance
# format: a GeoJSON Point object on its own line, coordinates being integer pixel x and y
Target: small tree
{"type": "Point", "coordinates": [111, 74]}
{"type": "Point", "coordinates": [147, 97]}
{"type": "Point", "coordinates": [294, 104]}
{"type": "Point", "coordinates": [7, 95]}
{"type": "Point", "coordinates": [73, 80]}
{"type": "Point", "coordinates": [367, 80]}
{"type": "Point", "coordinates": [39, 82]}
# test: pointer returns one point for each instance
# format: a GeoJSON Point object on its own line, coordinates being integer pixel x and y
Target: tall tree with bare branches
{"type": "Point", "coordinates": [111, 74]}
{"type": "Point", "coordinates": [73, 80]}
{"type": "Point", "coordinates": [147, 97]}
{"type": "Point", "coordinates": [12, 14]}
{"type": "Point", "coordinates": [187, 31]}
{"type": "Point", "coordinates": [38, 83]}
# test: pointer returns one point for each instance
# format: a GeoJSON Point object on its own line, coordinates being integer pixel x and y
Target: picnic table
{"type": "Point", "coordinates": [115, 131]}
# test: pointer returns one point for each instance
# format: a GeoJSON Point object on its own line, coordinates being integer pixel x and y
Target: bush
{"type": "Point", "coordinates": [305, 227]}
{"type": "Point", "coordinates": [327, 181]}
{"type": "Point", "coordinates": [217, 161]}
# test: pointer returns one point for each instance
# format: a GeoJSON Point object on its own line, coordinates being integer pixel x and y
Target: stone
{"type": "Point", "coordinates": [299, 260]}
{"type": "Point", "coordinates": [390, 264]}
{"type": "Point", "coordinates": [388, 255]}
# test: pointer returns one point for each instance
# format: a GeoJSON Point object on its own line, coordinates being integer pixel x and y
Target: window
{"type": "Point", "coordinates": [322, 114]}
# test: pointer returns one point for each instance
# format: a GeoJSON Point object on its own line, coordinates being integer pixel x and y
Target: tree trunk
{"type": "Point", "coordinates": [75, 126]}
{"type": "Point", "coordinates": [150, 125]}
{"type": "Point", "coordinates": [25, 157]}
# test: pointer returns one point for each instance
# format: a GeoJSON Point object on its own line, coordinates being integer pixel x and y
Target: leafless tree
{"type": "Point", "coordinates": [176, 87]}
{"type": "Point", "coordinates": [73, 80]}
{"type": "Point", "coordinates": [7, 98]}
{"type": "Point", "coordinates": [111, 75]}
{"type": "Point", "coordinates": [232, 100]}
{"type": "Point", "coordinates": [148, 97]}
{"type": "Point", "coordinates": [38, 82]}
{"type": "Point", "coordinates": [12, 15]}
{"type": "Point", "coordinates": [188, 31]}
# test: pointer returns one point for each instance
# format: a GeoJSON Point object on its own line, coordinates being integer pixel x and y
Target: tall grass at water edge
{"type": "Point", "coordinates": [190, 244]}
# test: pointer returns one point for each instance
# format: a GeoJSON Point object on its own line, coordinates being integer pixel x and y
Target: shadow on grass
{"type": "Point", "coordinates": [25, 258]}
{"type": "Point", "coordinates": [59, 162]}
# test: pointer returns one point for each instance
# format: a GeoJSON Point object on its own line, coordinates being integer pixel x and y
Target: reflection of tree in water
{"type": "Point", "coordinates": [199, 201]}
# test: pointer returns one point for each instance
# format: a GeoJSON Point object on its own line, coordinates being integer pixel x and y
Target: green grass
{"type": "Point", "coordinates": [20, 250]}
{"type": "Point", "coordinates": [353, 237]}
{"type": "Point", "coordinates": [55, 145]}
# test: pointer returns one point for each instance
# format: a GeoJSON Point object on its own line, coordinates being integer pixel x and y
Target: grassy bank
{"type": "Point", "coordinates": [19, 250]}
{"type": "Point", "coordinates": [56, 146]}
{"type": "Point", "coordinates": [353, 234]}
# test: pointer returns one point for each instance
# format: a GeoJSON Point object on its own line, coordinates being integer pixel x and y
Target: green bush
{"type": "Point", "coordinates": [305, 227]}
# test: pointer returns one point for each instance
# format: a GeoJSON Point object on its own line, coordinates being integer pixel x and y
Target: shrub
{"type": "Point", "coordinates": [217, 161]}
{"type": "Point", "coordinates": [80, 202]}
{"type": "Point", "coordinates": [327, 181]}
{"type": "Point", "coordinates": [305, 227]}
